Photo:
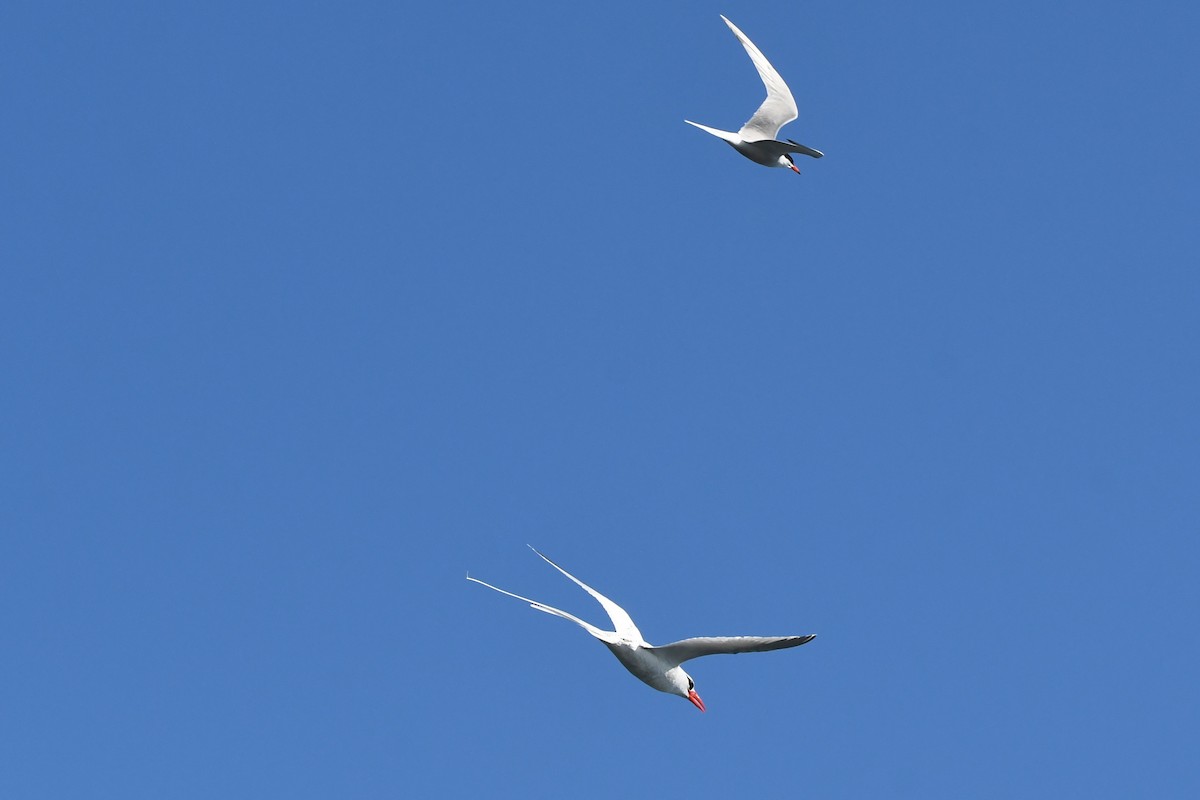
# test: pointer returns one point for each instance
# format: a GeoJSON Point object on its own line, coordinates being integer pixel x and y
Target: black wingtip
{"type": "Point", "coordinates": [806, 150]}
{"type": "Point", "coordinates": [808, 638]}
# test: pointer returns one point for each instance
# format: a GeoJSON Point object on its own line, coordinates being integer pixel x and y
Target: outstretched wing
{"type": "Point", "coordinates": [775, 149]}
{"type": "Point", "coordinates": [805, 149]}
{"type": "Point", "coordinates": [620, 620]}
{"type": "Point", "coordinates": [779, 108]}
{"type": "Point", "coordinates": [687, 649]}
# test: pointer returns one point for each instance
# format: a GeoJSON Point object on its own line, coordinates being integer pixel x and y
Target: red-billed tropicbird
{"type": "Point", "coordinates": [657, 666]}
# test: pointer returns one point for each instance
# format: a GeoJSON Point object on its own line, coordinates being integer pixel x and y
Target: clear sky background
{"type": "Point", "coordinates": [309, 308]}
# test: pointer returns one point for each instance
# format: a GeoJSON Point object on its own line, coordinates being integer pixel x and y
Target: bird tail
{"type": "Point", "coordinates": [728, 136]}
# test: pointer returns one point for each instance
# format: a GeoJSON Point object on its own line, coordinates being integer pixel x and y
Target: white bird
{"type": "Point", "coordinates": [756, 140]}
{"type": "Point", "coordinates": [657, 666]}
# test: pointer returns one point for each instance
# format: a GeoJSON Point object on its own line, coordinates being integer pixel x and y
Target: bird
{"type": "Point", "coordinates": [757, 140]}
{"type": "Point", "coordinates": [659, 667]}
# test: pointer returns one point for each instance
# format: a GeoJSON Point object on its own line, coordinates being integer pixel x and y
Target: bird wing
{"type": "Point", "coordinates": [624, 625]}
{"type": "Point", "coordinates": [779, 108]}
{"type": "Point", "coordinates": [687, 649]}
{"type": "Point", "coordinates": [604, 636]}
{"type": "Point", "coordinates": [796, 147]}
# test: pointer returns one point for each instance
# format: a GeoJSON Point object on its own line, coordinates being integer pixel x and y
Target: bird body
{"type": "Point", "coordinates": [757, 140]}
{"type": "Point", "coordinates": [658, 667]}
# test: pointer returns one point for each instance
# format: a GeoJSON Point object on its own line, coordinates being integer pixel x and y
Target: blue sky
{"type": "Point", "coordinates": [309, 308]}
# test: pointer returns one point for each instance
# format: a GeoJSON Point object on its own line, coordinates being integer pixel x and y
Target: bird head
{"type": "Point", "coordinates": [684, 686]}
{"type": "Point", "coordinates": [785, 160]}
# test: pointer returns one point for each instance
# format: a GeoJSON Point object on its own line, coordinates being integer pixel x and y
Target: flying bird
{"type": "Point", "coordinates": [659, 667]}
{"type": "Point", "coordinates": [757, 139]}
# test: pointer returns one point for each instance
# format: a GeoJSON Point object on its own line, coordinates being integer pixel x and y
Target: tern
{"type": "Point", "coordinates": [757, 138]}
{"type": "Point", "coordinates": [658, 667]}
